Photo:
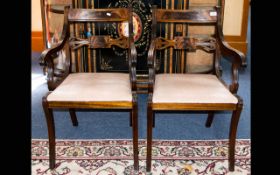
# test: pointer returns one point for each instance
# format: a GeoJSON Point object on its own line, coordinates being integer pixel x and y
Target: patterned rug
{"type": "Point", "coordinates": [114, 157]}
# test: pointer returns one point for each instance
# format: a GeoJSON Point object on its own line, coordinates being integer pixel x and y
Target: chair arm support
{"type": "Point", "coordinates": [151, 66]}
{"type": "Point", "coordinates": [235, 57]}
{"type": "Point", "coordinates": [132, 65]}
{"type": "Point", "coordinates": [47, 55]}
{"type": "Point", "coordinates": [230, 54]}
{"type": "Point", "coordinates": [132, 53]}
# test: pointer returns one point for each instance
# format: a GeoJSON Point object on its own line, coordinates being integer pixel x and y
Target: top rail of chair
{"type": "Point", "coordinates": [99, 15]}
{"type": "Point", "coordinates": [186, 16]}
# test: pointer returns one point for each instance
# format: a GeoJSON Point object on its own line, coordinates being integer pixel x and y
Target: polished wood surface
{"type": "Point", "coordinates": [192, 106]}
{"type": "Point", "coordinates": [105, 15]}
{"type": "Point", "coordinates": [91, 105]}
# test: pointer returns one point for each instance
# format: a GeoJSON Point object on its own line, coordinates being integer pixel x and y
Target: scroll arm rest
{"type": "Point", "coordinates": [132, 65]}
{"type": "Point", "coordinates": [151, 66]}
{"type": "Point", "coordinates": [232, 55]}
{"type": "Point", "coordinates": [235, 57]}
{"type": "Point", "coordinates": [47, 55]}
{"type": "Point", "coordinates": [47, 58]}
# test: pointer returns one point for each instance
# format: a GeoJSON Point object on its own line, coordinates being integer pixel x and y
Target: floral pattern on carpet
{"type": "Point", "coordinates": [114, 157]}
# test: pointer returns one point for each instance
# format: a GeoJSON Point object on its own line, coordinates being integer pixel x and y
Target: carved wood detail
{"type": "Point", "coordinates": [190, 44]}
{"type": "Point", "coordinates": [99, 42]}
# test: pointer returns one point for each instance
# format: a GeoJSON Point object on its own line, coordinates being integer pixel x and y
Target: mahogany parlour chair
{"type": "Point", "coordinates": [186, 91]}
{"type": "Point", "coordinates": [85, 89]}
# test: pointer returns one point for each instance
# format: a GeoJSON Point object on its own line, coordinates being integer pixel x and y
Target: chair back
{"type": "Point", "coordinates": [185, 39]}
{"type": "Point", "coordinates": [86, 42]}
{"type": "Point", "coordinates": [81, 44]}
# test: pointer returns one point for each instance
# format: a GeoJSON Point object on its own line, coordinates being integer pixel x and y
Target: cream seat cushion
{"type": "Point", "coordinates": [191, 88]}
{"type": "Point", "coordinates": [93, 87]}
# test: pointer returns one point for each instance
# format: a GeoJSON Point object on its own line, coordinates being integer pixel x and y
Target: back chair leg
{"type": "Point", "coordinates": [209, 119]}
{"type": "Point", "coordinates": [154, 120]}
{"type": "Point", "coordinates": [51, 132]}
{"type": "Point", "coordinates": [150, 117]}
{"type": "Point", "coordinates": [135, 135]}
{"type": "Point", "coordinates": [232, 134]}
{"type": "Point", "coordinates": [73, 117]}
{"type": "Point", "coordinates": [130, 118]}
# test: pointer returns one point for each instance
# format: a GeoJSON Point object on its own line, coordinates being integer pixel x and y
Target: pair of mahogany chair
{"type": "Point", "coordinates": [117, 91]}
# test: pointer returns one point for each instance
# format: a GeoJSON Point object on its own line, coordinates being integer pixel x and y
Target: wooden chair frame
{"type": "Point", "coordinates": [55, 78]}
{"type": "Point", "coordinates": [218, 47]}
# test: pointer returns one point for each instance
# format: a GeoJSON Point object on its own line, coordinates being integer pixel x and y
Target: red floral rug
{"type": "Point", "coordinates": [114, 157]}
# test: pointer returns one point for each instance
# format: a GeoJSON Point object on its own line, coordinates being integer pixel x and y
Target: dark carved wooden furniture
{"type": "Point", "coordinates": [85, 89]}
{"type": "Point", "coordinates": [193, 91]}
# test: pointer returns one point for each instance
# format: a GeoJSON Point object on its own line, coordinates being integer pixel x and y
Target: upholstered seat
{"type": "Point", "coordinates": [191, 88]}
{"type": "Point", "coordinates": [93, 87]}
